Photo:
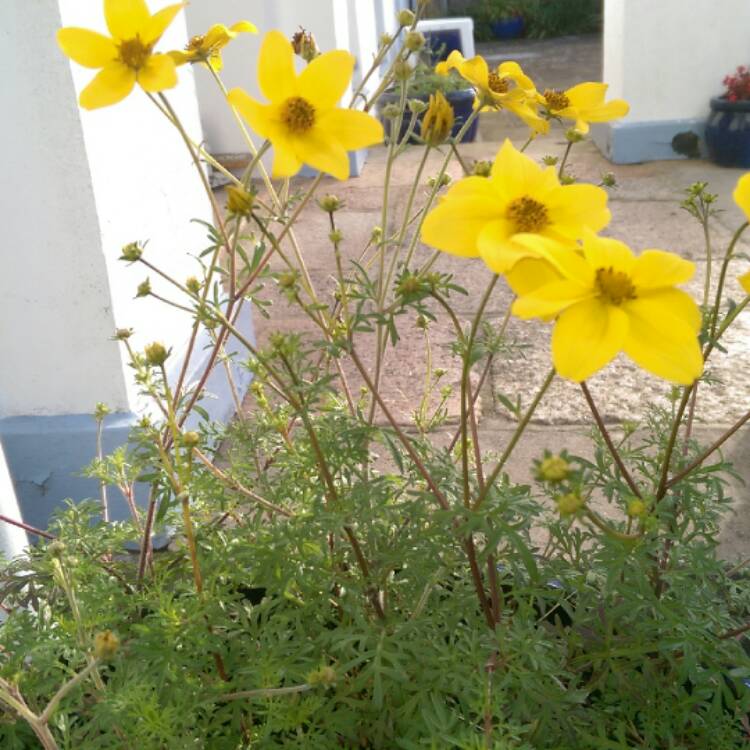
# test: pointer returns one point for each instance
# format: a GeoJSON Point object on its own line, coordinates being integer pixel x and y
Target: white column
{"type": "Point", "coordinates": [667, 59]}
{"type": "Point", "coordinates": [13, 540]}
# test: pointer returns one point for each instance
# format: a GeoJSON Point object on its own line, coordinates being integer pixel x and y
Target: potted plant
{"type": "Point", "coordinates": [425, 82]}
{"type": "Point", "coordinates": [503, 18]}
{"type": "Point", "coordinates": [728, 127]}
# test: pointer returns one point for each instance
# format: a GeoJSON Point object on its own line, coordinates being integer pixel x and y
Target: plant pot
{"type": "Point", "coordinates": [728, 133]}
{"type": "Point", "coordinates": [462, 102]}
{"type": "Point", "coordinates": [508, 28]}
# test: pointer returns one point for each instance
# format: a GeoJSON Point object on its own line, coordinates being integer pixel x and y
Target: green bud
{"type": "Point", "coordinates": [336, 236]}
{"type": "Point", "coordinates": [567, 179]}
{"type": "Point", "coordinates": [414, 41]}
{"type": "Point", "coordinates": [443, 180]}
{"type": "Point", "coordinates": [304, 45]}
{"type": "Point", "coordinates": [609, 180]}
{"type": "Point", "coordinates": [573, 136]}
{"type": "Point", "coordinates": [405, 18]}
{"type": "Point", "coordinates": [56, 549]}
{"type": "Point", "coordinates": [100, 411]}
{"type": "Point", "coordinates": [402, 71]}
{"type": "Point", "coordinates": [422, 323]}
{"type": "Point", "coordinates": [553, 469]}
{"type": "Point", "coordinates": [144, 289]}
{"type": "Point", "coordinates": [123, 334]}
{"type": "Point", "coordinates": [288, 279]}
{"type": "Point", "coordinates": [193, 285]}
{"type": "Point", "coordinates": [191, 439]}
{"type": "Point", "coordinates": [156, 353]}
{"type": "Point", "coordinates": [325, 676]}
{"type": "Point", "coordinates": [377, 235]}
{"type": "Point", "coordinates": [416, 106]}
{"type": "Point", "coordinates": [239, 201]}
{"type": "Point", "coordinates": [637, 508]}
{"type": "Point", "coordinates": [131, 252]}
{"type": "Point", "coordinates": [569, 504]}
{"type": "Point", "coordinates": [482, 168]}
{"type": "Point", "coordinates": [385, 39]}
{"type": "Point", "coordinates": [391, 111]}
{"type": "Point", "coordinates": [550, 160]}
{"type": "Point", "coordinates": [330, 203]}
{"type": "Point", "coordinates": [106, 644]}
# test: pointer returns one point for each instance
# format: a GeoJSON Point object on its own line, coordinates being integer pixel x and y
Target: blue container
{"type": "Point", "coordinates": [462, 102]}
{"type": "Point", "coordinates": [728, 133]}
{"type": "Point", "coordinates": [508, 28]}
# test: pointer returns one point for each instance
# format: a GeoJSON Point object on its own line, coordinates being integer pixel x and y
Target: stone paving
{"type": "Point", "coordinates": [645, 213]}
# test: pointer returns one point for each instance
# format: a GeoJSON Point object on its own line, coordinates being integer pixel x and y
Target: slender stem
{"type": "Point", "coordinates": [564, 160]}
{"type": "Point", "coordinates": [265, 692]}
{"type": "Point", "coordinates": [51, 707]}
{"type": "Point", "coordinates": [662, 486]}
{"type": "Point", "coordinates": [607, 529]}
{"type": "Point", "coordinates": [722, 278]}
{"type": "Point", "coordinates": [514, 439]}
{"type": "Point", "coordinates": [102, 482]}
{"type": "Point", "coordinates": [608, 440]}
{"type": "Point", "coordinates": [27, 527]}
{"type": "Point", "coordinates": [146, 545]}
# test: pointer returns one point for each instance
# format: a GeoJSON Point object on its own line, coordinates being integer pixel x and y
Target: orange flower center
{"type": "Point", "coordinates": [527, 215]}
{"type": "Point", "coordinates": [195, 44]}
{"type": "Point", "coordinates": [298, 114]}
{"type": "Point", "coordinates": [556, 100]}
{"type": "Point", "coordinates": [614, 286]}
{"type": "Point", "coordinates": [134, 53]}
{"type": "Point", "coordinates": [497, 84]}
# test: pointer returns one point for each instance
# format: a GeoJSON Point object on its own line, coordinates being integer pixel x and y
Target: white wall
{"type": "Point", "coordinates": [77, 186]}
{"type": "Point", "coordinates": [13, 539]}
{"type": "Point", "coordinates": [668, 57]}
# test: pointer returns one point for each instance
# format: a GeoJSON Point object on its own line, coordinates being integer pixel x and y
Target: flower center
{"type": "Point", "coordinates": [134, 53]}
{"type": "Point", "coordinates": [195, 44]}
{"type": "Point", "coordinates": [614, 286]}
{"type": "Point", "coordinates": [555, 99]}
{"type": "Point", "coordinates": [527, 215]}
{"type": "Point", "coordinates": [497, 84]}
{"type": "Point", "coordinates": [298, 114]}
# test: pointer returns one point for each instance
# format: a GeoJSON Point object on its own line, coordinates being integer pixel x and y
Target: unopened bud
{"type": "Point", "coordinates": [56, 549]}
{"type": "Point", "coordinates": [482, 168]}
{"type": "Point", "coordinates": [123, 334]}
{"type": "Point", "coordinates": [131, 252]}
{"type": "Point", "coordinates": [304, 45]}
{"type": "Point", "coordinates": [106, 644]}
{"type": "Point", "coordinates": [422, 323]}
{"type": "Point", "coordinates": [336, 236]}
{"type": "Point", "coordinates": [156, 353]}
{"type": "Point", "coordinates": [385, 39]}
{"type": "Point", "coordinates": [609, 180]}
{"type": "Point", "coordinates": [405, 17]}
{"type": "Point", "coordinates": [325, 676]}
{"type": "Point", "coordinates": [191, 439]}
{"type": "Point", "coordinates": [414, 41]}
{"type": "Point", "coordinates": [391, 111]}
{"type": "Point", "coordinates": [438, 120]}
{"type": "Point", "coordinates": [193, 285]}
{"type": "Point", "coordinates": [330, 203]}
{"type": "Point", "coordinates": [402, 71]}
{"type": "Point", "coordinates": [569, 504]}
{"type": "Point", "coordinates": [100, 411]}
{"type": "Point", "coordinates": [288, 279]}
{"type": "Point", "coordinates": [573, 136]}
{"type": "Point", "coordinates": [442, 180]}
{"type": "Point", "coordinates": [637, 508]}
{"type": "Point", "coordinates": [549, 160]}
{"type": "Point", "coordinates": [376, 235]}
{"type": "Point", "coordinates": [553, 469]}
{"type": "Point", "coordinates": [144, 289]}
{"type": "Point", "coordinates": [239, 201]}
{"type": "Point", "coordinates": [567, 179]}
{"type": "Point", "coordinates": [416, 106]}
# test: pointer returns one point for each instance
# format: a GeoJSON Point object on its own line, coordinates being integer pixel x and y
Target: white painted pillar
{"type": "Point", "coordinates": [667, 59]}
{"type": "Point", "coordinates": [13, 540]}
{"type": "Point", "coordinates": [77, 186]}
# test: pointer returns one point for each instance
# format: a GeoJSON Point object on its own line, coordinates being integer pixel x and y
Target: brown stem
{"type": "Point", "coordinates": [608, 440]}
{"type": "Point", "coordinates": [27, 527]}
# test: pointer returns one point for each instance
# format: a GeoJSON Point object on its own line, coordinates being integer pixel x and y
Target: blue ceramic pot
{"type": "Point", "coordinates": [728, 133]}
{"type": "Point", "coordinates": [462, 102]}
{"type": "Point", "coordinates": [508, 28]}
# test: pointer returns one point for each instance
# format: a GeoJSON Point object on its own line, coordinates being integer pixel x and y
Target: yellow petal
{"type": "Point", "coordinates": [530, 274]}
{"type": "Point", "coordinates": [741, 194]}
{"type": "Point", "coordinates": [587, 336]}
{"type": "Point", "coordinates": [126, 18]}
{"type": "Point", "coordinates": [215, 62]}
{"type": "Point", "coordinates": [587, 95]}
{"type": "Point", "coordinates": [604, 252]}
{"type": "Point", "coordinates": [512, 70]}
{"type": "Point", "coordinates": [260, 117]}
{"type": "Point", "coordinates": [285, 161]}
{"type": "Point", "coordinates": [454, 225]}
{"type": "Point", "coordinates": [276, 76]}
{"type": "Point", "coordinates": [497, 248]}
{"type": "Point", "coordinates": [159, 73]}
{"type": "Point", "coordinates": [86, 47]}
{"type": "Point", "coordinates": [515, 171]}
{"type": "Point", "coordinates": [662, 342]}
{"type": "Point", "coordinates": [244, 27]}
{"type": "Point", "coordinates": [350, 128]}
{"type": "Point", "coordinates": [159, 22]}
{"type": "Point", "coordinates": [612, 110]}
{"type": "Point", "coordinates": [317, 150]}
{"type": "Point", "coordinates": [575, 207]}
{"type": "Point", "coordinates": [109, 86]}
{"type": "Point", "coordinates": [476, 72]}
{"type": "Point", "coordinates": [680, 305]}
{"type": "Point", "coordinates": [180, 57]}
{"type": "Point", "coordinates": [324, 81]}
{"type": "Point", "coordinates": [745, 282]}
{"type": "Point", "coordinates": [657, 268]}
{"type": "Point", "coordinates": [454, 60]}
{"type": "Point", "coordinates": [551, 299]}
{"type": "Point", "coordinates": [568, 261]}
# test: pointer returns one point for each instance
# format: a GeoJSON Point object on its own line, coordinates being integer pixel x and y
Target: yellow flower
{"type": "Point", "coordinates": [505, 87]}
{"type": "Point", "coordinates": [741, 194]}
{"type": "Point", "coordinates": [301, 119]}
{"type": "Point", "coordinates": [438, 120]}
{"type": "Point", "coordinates": [745, 282]}
{"type": "Point", "coordinates": [484, 216]}
{"type": "Point", "coordinates": [584, 103]}
{"type": "Point", "coordinates": [207, 47]}
{"type": "Point", "coordinates": [124, 58]}
{"type": "Point", "coordinates": [606, 301]}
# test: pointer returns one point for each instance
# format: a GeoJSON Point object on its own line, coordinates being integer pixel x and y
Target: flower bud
{"type": "Point", "coordinates": [442, 181]}
{"type": "Point", "coordinates": [304, 45]}
{"type": "Point", "coordinates": [56, 549]}
{"type": "Point", "coordinates": [567, 179]}
{"type": "Point", "coordinates": [239, 201]}
{"type": "Point", "coordinates": [609, 180]}
{"type": "Point", "coordinates": [288, 279]}
{"type": "Point", "coordinates": [422, 323]}
{"type": "Point", "coordinates": [416, 106]}
{"type": "Point", "coordinates": [549, 160]}
{"type": "Point", "coordinates": [191, 439]}
{"type": "Point", "coordinates": [336, 236]}
{"type": "Point", "coordinates": [482, 168]}
{"type": "Point", "coordinates": [106, 644]}
{"type": "Point", "coordinates": [325, 676]}
{"type": "Point", "coordinates": [391, 111]}
{"type": "Point", "coordinates": [414, 41]}
{"type": "Point", "coordinates": [408, 285]}
{"type": "Point", "coordinates": [144, 288]}
{"type": "Point", "coordinates": [100, 411]}
{"type": "Point", "coordinates": [123, 334]}
{"type": "Point", "coordinates": [569, 504]}
{"type": "Point", "coordinates": [377, 235]}
{"type": "Point", "coordinates": [330, 203]}
{"type": "Point", "coordinates": [438, 120]}
{"type": "Point", "coordinates": [193, 285]}
{"type": "Point", "coordinates": [385, 39]}
{"type": "Point", "coordinates": [405, 17]}
{"type": "Point", "coordinates": [573, 136]}
{"type": "Point", "coordinates": [131, 252]}
{"type": "Point", "coordinates": [637, 508]}
{"type": "Point", "coordinates": [402, 71]}
{"type": "Point", "coordinates": [553, 469]}
{"type": "Point", "coordinates": [156, 353]}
